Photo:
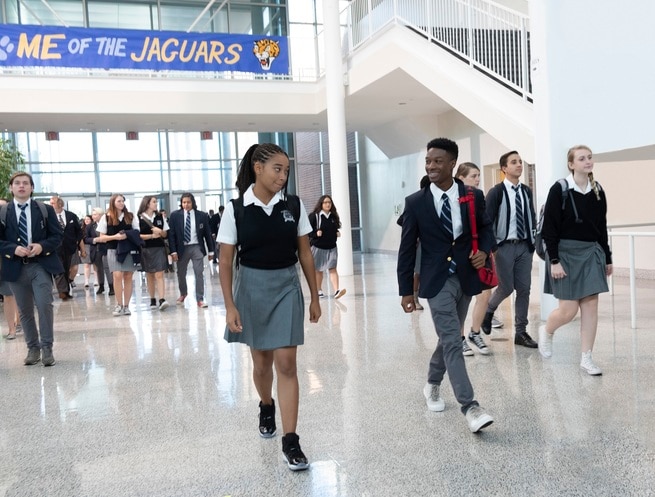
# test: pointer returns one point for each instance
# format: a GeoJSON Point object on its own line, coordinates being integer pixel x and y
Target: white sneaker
{"type": "Point", "coordinates": [587, 364]}
{"type": "Point", "coordinates": [545, 342]}
{"type": "Point", "coordinates": [434, 402]}
{"type": "Point", "coordinates": [478, 418]}
{"type": "Point", "coordinates": [126, 311]}
{"type": "Point", "coordinates": [466, 350]}
{"type": "Point", "coordinates": [118, 310]}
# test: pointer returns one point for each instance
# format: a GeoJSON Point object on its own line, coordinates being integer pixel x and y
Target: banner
{"type": "Point", "coordinates": [88, 48]}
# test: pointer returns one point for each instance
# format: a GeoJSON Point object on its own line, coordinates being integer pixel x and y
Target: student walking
{"type": "Point", "coordinates": [449, 274]}
{"type": "Point", "coordinates": [154, 260]}
{"type": "Point", "coordinates": [511, 210]}
{"type": "Point", "coordinates": [323, 239]}
{"type": "Point", "coordinates": [579, 258]}
{"type": "Point", "coordinates": [267, 231]}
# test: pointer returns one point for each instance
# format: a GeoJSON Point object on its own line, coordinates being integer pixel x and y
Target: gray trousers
{"type": "Point", "coordinates": [34, 288]}
{"type": "Point", "coordinates": [194, 254]}
{"type": "Point", "coordinates": [514, 269]}
{"type": "Point", "coordinates": [448, 309]}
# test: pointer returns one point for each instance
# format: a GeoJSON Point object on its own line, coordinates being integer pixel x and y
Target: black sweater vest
{"type": "Point", "coordinates": [267, 242]}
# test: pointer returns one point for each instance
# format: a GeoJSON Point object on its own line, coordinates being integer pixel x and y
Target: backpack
{"type": "Point", "coordinates": [42, 208]}
{"type": "Point", "coordinates": [539, 243]}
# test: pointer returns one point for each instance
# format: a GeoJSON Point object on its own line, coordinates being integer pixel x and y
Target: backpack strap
{"type": "Point", "coordinates": [565, 193]}
{"type": "Point", "coordinates": [42, 208]}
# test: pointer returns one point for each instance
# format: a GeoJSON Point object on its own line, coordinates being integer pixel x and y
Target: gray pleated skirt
{"type": "Point", "coordinates": [154, 259]}
{"type": "Point", "coordinates": [584, 263]}
{"type": "Point", "coordinates": [271, 306]}
{"type": "Point", "coordinates": [87, 258]}
{"type": "Point", "coordinates": [114, 265]}
{"type": "Point", "coordinates": [325, 259]}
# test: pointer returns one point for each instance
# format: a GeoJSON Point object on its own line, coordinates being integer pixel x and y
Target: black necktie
{"type": "Point", "coordinates": [520, 221]}
{"type": "Point", "coordinates": [187, 228]}
{"type": "Point", "coordinates": [22, 225]}
{"type": "Point", "coordinates": [447, 221]}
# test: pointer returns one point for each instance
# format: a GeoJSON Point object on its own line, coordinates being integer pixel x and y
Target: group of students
{"type": "Point", "coordinates": [578, 260]}
{"type": "Point", "coordinates": [268, 231]}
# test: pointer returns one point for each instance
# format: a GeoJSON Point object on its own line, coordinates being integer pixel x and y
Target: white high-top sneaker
{"type": "Point", "coordinates": [587, 364]}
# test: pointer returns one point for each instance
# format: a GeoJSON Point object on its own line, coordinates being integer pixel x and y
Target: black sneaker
{"type": "Point", "coordinates": [267, 420]}
{"type": "Point", "coordinates": [486, 322]}
{"type": "Point", "coordinates": [296, 460]}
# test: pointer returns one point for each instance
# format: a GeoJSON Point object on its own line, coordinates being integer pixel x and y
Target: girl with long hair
{"type": "Point", "coordinates": [154, 259]}
{"type": "Point", "coordinates": [113, 227]}
{"type": "Point", "coordinates": [325, 231]}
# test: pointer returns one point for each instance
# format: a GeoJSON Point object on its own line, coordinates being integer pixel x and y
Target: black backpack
{"type": "Point", "coordinates": [539, 244]}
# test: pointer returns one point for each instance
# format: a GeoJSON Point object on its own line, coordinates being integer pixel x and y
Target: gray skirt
{"type": "Point", "coordinates": [154, 259]}
{"type": "Point", "coordinates": [324, 259]}
{"type": "Point", "coordinates": [87, 259]}
{"type": "Point", "coordinates": [584, 263]}
{"type": "Point", "coordinates": [126, 266]}
{"type": "Point", "coordinates": [271, 306]}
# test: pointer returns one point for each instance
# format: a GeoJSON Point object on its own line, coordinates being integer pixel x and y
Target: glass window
{"type": "Point", "coordinates": [195, 176]}
{"type": "Point", "coordinates": [119, 15]}
{"type": "Point", "coordinates": [189, 146]}
{"type": "Point", "coordinates": [302, 51]}
{"type": "Point", "coordinates": [37, 12]}
{"type": "Point", "coordinates": [127, 178]}
{"type": "Point", "coordinates": [64, 182]}
{"type": "Point", "coordinates": [115, 147]}
{"type": "Point", "coordinates": [180, 18]}
{"type": "Point", "coordinates": [71, 147]}
{"type": "Point", "coordinates": [301, 11]}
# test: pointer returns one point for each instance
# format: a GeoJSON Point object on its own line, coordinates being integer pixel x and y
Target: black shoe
{"type": "Point", "coordinates": [296, 460]}
{"type": "Point", "coordinates": [47, 358]}
{"type": "Point", "coordinates": [486, 322]}
{"type": "Point", "coordinates": [100, 290]}
{"type": "Point", "coordinates": [111, 290]}
{"type": "Point", "coordinates": [33, 356]}
{"type": "Point", "coordinates": [522, 338]}
{"type": "Point", "coordinates": [267, 420]}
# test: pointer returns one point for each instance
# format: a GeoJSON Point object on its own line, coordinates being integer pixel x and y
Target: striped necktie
{"type": "Point", "coordinates": [22, 225]}
{"type": "Point", "coordinates": [447, 221]}
{"type": "Point", "coordinates": [520, 221]}
{"type": "Point", "coordinates": [187, 227]}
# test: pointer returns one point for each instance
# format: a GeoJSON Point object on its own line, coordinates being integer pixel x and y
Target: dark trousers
{"type": "Point", "coordinates": [62, 280]}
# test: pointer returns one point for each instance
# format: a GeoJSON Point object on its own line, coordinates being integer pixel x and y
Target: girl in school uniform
{"type": "Point", "coordinates": [265, 308]}
{"type": "Point", "coordinates": [325, 231]}
{"type": "Point", "coordinates": [579, 258]}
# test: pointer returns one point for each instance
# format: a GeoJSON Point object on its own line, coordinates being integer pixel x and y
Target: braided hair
{"type": "Point", "coordinates": [570, 156]}
{"type": "Point", "coordinates": [259, 152]}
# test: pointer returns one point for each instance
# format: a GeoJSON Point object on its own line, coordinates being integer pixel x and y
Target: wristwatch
{"type": "Point", "coordinates": [554, 261]}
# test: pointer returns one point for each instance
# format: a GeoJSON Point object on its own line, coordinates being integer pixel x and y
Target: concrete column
{"type": "Point", "coordinates": [335, 94]}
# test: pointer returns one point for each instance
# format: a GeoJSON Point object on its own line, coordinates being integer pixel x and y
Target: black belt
{"type": "Point", "coordinates": [514, 242]}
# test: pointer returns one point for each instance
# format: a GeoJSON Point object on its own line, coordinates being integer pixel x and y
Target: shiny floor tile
{"type": "Point", "coordinates": [158, 404]}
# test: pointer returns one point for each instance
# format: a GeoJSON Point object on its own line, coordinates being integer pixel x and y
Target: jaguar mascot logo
{"type": "Point", "coordinates": [266, 51]}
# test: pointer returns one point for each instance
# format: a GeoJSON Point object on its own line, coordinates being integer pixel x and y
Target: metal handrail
{"type": "Point", "coordinates": [632, 270]}
{"type": "Point", "coordinates": [490, 37]}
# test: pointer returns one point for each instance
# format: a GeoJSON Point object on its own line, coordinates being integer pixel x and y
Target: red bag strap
{"type": "Point", "coordinates": [470, 198]}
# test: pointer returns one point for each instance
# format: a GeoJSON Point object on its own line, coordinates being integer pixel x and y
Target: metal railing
{"type": "Point", "coordinates": [489, 37]}
{"type": "Point", "coordinates": [631, 235]}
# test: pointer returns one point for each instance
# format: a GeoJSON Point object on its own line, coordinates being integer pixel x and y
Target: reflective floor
{"type": "Point", "coordinates": [158, 404]}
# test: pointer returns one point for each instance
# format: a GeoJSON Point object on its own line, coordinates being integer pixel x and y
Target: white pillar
{"type": "Point", "coordinates": [336, 114]}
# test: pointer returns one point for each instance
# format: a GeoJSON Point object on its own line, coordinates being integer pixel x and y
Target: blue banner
{"type": "Point", "coordinates": [52, 46]}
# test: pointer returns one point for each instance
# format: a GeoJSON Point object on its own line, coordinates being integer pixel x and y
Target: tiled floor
{"type": "Point", "coordinates": [158, 404]}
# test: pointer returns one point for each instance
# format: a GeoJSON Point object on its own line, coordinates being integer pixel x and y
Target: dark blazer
{"type": "Point", "coordinates": [420, 221]}
{"type": "Point", "coordinates": [499, 213]}
{"type": "Point", "coordinates": [47, 233]}
{"type": "Point", "coordinates": [72, 233]}
{"type": "Point", "coordinates": [176, 232]}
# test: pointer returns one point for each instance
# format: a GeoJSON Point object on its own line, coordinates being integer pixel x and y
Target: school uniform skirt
{"type": "Point", "coordinates": [87, 259]}
{"type": "Point", "coordinates": [584, 263]}
{"type": "Point", "coordinates": [154, 259]}
{"type": "Point", "coordinates": [324, 259]}
{"type": "Point", "coordinates": [271, 306]}
{"type": "Point", "coordinates": [114, 265]}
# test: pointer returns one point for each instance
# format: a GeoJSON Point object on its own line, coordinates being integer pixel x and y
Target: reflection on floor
{"type": "Point", "coordinates": [158, 404]}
